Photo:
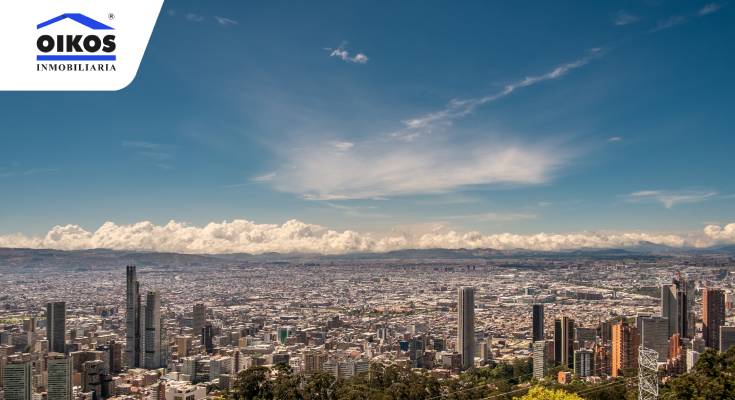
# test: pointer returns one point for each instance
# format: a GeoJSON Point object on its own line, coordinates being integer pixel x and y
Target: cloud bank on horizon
{"type": "Point", "coordinates": [295, 236]}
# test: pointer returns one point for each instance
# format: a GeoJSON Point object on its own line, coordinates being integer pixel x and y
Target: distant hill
{"type": "Point", "coordinates": [103, 258]}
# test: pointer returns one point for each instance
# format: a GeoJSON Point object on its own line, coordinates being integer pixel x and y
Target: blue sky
{"type": "Point", "coordinates": [519, 117]}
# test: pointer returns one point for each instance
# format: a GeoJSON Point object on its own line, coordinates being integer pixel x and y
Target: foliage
{"type": "Point", "coordinates": [540, 393]}
{"type": "Point", "coordinates": [713, 377]}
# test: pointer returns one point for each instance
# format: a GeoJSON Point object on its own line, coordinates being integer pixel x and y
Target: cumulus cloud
{"type": "Point", "coordinates": [721, 234]}
{"type": "Point", "coordinates": [669, 199]}
{"type": "Point", "coordinates": [296, 236]}
{"type": "Point", "coordinates": [344, 55]}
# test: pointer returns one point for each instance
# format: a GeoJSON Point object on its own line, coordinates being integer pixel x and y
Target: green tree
{"type": "Point", "coordinates": [713, 377]}
{"type": "Point", "coordinates": [540, 393]}
{"type": "Point", "coordinates": [286, 385]}
{"type": "Point", "coordinates": [319, 386]}
{"type": "Point", "coordinates": [253, 384]}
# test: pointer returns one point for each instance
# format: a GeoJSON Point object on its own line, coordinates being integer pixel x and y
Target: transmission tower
{"type": "Point", "coordinates": [647, 374]}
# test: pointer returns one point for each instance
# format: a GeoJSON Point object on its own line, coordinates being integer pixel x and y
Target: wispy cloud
{"type": "Point", "coordinates": [265, 177]}
{"type": "Point", "coordinates": [194, 17]}
{"type": "Point", "coordinates": [495, 217]}
{"type": "Point", "coordinates": [139, 144]}
{"type": "Point", "coordinates": [709, 9]}
{"type": "Point", "coordinates": [459, 108]}
{"type": "Point", "coordinates": [225, 21]}
{"type": "Point", "coordinates": [669, 22]}
{"type": "Point", "coordinates": [613, 139]}
{"type": "Point", "coordinates": [623, 17]}
{"type": "Point", "coordinates": [670, 199]}
{"type": "Point", "coordinates": [160, 154]}
{"type": "Point", "coordinates": [399, 164]}
{"type": "Point", "coordinates": [344, 55]}
{"type": "Point", "coordinates": [9, 172]}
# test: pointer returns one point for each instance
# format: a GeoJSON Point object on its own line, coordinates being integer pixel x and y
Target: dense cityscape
{"type": "Point", "coordinates": [181, 329]}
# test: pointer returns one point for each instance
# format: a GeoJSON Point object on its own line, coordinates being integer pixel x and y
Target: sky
{"type": "Point", "coordinates": [371, 126]}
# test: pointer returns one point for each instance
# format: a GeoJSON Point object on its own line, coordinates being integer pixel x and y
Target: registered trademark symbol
{"type": "Point", "coordinates": [111, 16]}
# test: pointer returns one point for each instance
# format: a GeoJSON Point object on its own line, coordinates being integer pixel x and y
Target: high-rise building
{"type": "Point", "coordinates": [92, 374]}
{"type": "Point", "coordinates": [654, 331]}
{"type": "Point", "coordinates": [540, 359]}
{"type": "Point", "coordinates": [624, 348]}
{"type": "Point", "coordinates": [198, 318]}
{"type": "Point", "coordinates": [153, 331]}
{"type": "Point", "coordinates": [56, 326]}
{"type": "Point", "coordinates": [567, 342]}
{"type": "Point", "coordinates": [584, 363]}
{"type": "Point", "coordinates": [208, 338]}
{"type": "Point", "coordinates": [17, 380]}
{"type": "Point", "coordinates": [713, 316]}
{"type": "Point", "coordinates": [59, 377]}
{"type": "Point", "coordinates": [538, 322]}
{"type": "Point", "coordinates": [466, 325]}
{"type": "Point", "coordinates": [677, 304]}
{"type": "Point", "coordinates": [133, 326]}
{"type": "Point", "coordinates": [727, 338]}
{"type": "Point", "coordinates": [557, 342]}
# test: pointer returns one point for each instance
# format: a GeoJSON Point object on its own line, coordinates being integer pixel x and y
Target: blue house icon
{"type": "Point", "coordinates": [80, 18]}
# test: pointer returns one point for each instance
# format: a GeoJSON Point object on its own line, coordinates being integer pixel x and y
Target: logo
{"type": "Point", "coordinates": [79, 50]}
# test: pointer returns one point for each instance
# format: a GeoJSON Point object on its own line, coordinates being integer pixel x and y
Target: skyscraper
{"type": "Point", "coordinates": [539, 359]}
{"type": "Point", "coordinates": [56, 326]}
{"type": "Point", "coordinates": [198, 318]}
{"type": "Point", "coordinates": [624, 348]}
{"type": "Point", "coordinates": [584, 363]}
{"type": "Point", "coordinates": [654, 335]}
{"type": "Point", "coordinates": [92, 374]}
{"type": "Point", "coordinates": [670, 308]}
{"type": "Point", "coordinates": [713, 316]}
{"type": "Point", "coordinates": [567, 342]}
{"type": "Point", "coordinates": [17, 381]}
{"type": "Point", "coordinates": [466, 325]}
{"type": "Point", "coordinates": [153, 330]}
{"type": "Point", "coordinates": [207, 338]}
{"type": "Point", "coordinates": [59, 377]}
{"type": "Point", "coordinates": [132, 319]}
{"type": "Point", "coordinates": [557, 342]}
{"type": "Point", "coordinates": [538, 322]}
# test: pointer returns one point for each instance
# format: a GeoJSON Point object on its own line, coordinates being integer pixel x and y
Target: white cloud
{"type": "Point", "coordinates": [194, 17]}
{"type": "Point", "coordinates": [296, 236]}
{"type": "Point", "coordinates": [265, 177]}
{"type": "Point", "coordinates": [379, 169]}
{"type": "Point", "coordinates": [459, 108]}
{"type": "Point", "coordinates": [399, 164]}
{"type": "Point", "coordinates": [624, 18]}
{"type": "Point", "coordinates": [669, 199]}
{"type": "Point", "coordinates": [709, 9]}
{"type": "Point", "coordinates": [343, 146]}
{"type": "Point", "coordinates": [721, 234]}
{"type": "Point", "coordinates": [225, 21]}
{"type": "Point", "coordinates": [669, 22]}
{"type": "Point", "coordinates": [614, 139]}
{"type": "Point", "coordinates": [344, 55]}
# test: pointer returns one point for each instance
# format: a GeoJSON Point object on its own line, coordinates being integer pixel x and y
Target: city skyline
{"type": "Point", "coordinates": [500, 129]}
